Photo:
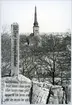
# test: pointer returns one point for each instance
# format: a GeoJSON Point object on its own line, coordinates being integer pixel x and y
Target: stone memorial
{"type": "Point", "coordinates": [41, 94]}
{"type": "Point", "coordinates": [58, 95]}
{"type": "Point", "coordinates": [14, 49]}
{"type": "Point", "coordinates": [15, 90]}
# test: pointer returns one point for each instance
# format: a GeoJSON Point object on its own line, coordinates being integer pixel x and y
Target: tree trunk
{"type": "Point", "coordinates": [23, 70]}
{"type": "Point", "coordinates": [66, 92]}
{"type": "Point", "coordinates": [31, 93]}
{"type": "Point", "coordinates": [61, 79]}
{"type": "Point", "coordinates": [53, 79]}
{"type": "Point", "coordinates": [53, 76]}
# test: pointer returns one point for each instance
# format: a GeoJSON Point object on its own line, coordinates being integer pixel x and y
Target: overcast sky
{"type": "Point", "coordinates": [53, 16]}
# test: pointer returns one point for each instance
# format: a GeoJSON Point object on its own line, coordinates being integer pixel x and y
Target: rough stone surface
{"type": "Point", "coordinates": [40, 94]}
{"type": "Point", "coordinates": [14, 49]}
{"type": "Point", "coordinates": [15, 90]}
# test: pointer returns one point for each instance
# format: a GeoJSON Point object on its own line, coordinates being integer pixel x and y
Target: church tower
{"type": "Point", "coordinates": [35, 25]}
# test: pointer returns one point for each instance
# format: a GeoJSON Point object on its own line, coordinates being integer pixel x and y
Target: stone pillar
{"type": "Point", "coordinates": [14, 49]}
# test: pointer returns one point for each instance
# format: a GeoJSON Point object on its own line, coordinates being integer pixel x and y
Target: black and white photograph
{"type": "Point", "coordinates": [35, 52]}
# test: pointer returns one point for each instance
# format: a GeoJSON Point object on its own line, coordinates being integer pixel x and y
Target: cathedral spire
{"type": "Point", "coordinates": [35, 25]}
{"type": "Point", "coordinates": [35, 18]}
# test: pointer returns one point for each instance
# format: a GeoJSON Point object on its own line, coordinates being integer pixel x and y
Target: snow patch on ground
{"type": "Point", "coordinates": [23, 78]}
{"type": "Point", "coordinates": [17, 78]}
